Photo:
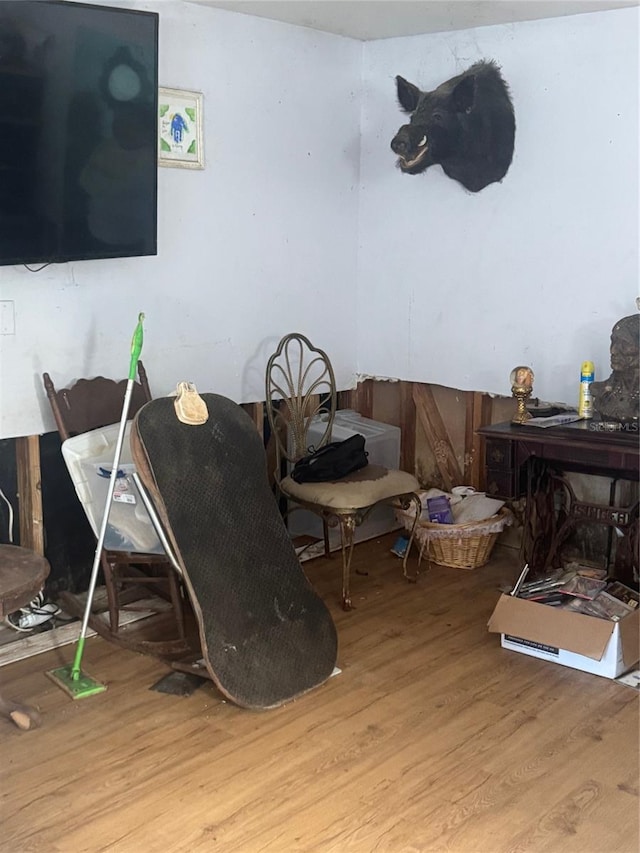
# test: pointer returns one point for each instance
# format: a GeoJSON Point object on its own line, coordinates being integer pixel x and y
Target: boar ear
{"type": "Point", "coordinates": [408, 94]}
{"type": "Point", "coordinates": [464, 94]}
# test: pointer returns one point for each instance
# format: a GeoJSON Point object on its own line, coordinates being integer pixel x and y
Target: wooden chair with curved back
{"type": "Point", "coordinates": [91, 404]}
{"type": "Point", "coordinates": [300, 384]}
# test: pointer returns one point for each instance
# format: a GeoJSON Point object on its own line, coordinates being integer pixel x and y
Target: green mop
{"type": "Point", "coordinates": [71, 678]}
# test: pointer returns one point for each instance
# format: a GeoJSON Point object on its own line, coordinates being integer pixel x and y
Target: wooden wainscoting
{"type": "Point", "coordinates": [438, 426]}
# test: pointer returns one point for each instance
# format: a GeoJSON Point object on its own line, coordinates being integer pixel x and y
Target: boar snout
{"type": "Point", "coordinates": [401, 144]}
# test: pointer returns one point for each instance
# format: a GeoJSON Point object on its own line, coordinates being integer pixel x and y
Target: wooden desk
{"type": "Point", "coordinates": [530, 461]}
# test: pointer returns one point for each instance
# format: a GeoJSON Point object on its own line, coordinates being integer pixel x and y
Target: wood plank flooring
{"type": "Point", "coordinates": [432, 738]}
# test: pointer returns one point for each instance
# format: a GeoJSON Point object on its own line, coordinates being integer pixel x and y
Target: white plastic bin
{"type": "Point", "coordinates": [89, 459]}
{"type": "Point", "coordinates": [382, 443]}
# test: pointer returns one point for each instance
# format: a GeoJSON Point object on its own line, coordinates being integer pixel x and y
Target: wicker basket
{"type": "Point", "coordinates": [459, 546]}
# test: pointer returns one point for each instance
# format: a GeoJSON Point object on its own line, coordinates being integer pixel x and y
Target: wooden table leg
{"type": "Point", "coordinates": [30, 493]}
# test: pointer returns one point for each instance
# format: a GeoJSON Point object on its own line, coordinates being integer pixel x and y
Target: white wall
{"type": "Point", "coordinates": [457, 288]}
{"type": "Point", "coordinates": [452, 288]}
{"type": "Point", "coordinates": [260, 243]}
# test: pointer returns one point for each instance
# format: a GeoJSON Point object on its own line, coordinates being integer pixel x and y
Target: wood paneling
{"type": "Point", "coordinates": [30, 493]}
{"type": "Point", "coordinates": [403, 404]}
{"type": "Point", "coordinates": [436, 431]}
{"type": "Point", "coordinates": [364, 398]}
{"type": "Point", "coordinates": [256, 413]}
{"type": "Point", "coordinates": [408, 428]}
{"type": "Point", "coordinates": [478, 414]}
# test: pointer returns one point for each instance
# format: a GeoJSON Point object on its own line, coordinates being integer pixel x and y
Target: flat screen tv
{"type": "Point", "coordinates": [78, 131]}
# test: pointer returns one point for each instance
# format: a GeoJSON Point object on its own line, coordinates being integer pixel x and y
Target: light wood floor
{"type": "Point", "coordinates": [432, 739]}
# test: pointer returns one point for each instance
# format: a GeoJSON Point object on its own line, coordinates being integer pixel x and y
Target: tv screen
{"type": "Point", "coordinates": [78, 131]}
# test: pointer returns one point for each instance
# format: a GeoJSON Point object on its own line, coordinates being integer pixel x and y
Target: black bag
{"type": "Point", "coordinates": [336, 459]}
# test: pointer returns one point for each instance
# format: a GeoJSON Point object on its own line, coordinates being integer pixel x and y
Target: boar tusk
{"type": "Point", "coordinates": [422, 142]}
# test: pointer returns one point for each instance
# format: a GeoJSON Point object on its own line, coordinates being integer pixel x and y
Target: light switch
{"type": "Point", "coordinates": [7, 317]}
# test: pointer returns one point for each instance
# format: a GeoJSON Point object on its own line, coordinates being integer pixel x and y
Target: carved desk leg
{"type": "Point", "coordinates": [540, 521]}
{"type": "Point", "coordinates": [627, 559]}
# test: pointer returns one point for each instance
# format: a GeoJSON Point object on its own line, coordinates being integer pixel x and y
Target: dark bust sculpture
{"type": "Point", "coordinates": [617, 399]}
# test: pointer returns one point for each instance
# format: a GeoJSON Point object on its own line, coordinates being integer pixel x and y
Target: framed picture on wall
{"type": "Point", "coordinates": [180, 141]}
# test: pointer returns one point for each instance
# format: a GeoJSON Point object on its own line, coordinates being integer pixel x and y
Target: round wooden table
{"type": "Point", "coordinates": [22, 576]}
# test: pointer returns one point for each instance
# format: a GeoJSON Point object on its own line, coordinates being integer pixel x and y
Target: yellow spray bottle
{"type": "Point", "coordinates": [585, 401]}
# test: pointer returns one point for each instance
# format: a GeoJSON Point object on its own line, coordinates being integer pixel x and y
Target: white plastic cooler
{"type": "Point", "coordinates": [89, 458]}
{"type": "Point", "coordinates": [382, 443]}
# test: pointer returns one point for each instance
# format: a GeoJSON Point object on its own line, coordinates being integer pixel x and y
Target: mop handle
{"type": "Point", "coordinates": [136, 347]}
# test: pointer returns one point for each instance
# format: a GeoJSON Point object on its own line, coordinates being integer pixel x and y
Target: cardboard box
{"type": "Point", "coordinates": [571, 639]}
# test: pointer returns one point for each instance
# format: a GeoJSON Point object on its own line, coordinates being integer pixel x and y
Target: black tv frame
{"type": "Point", "coordinates": [69, 239]}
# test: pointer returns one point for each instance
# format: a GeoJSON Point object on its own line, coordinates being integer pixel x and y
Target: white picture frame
{"type": "Point", "coordinates": [180, 137]}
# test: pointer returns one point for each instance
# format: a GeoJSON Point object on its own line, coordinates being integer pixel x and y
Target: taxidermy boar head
{"type": "Point", "coordinates": [466, 125]}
